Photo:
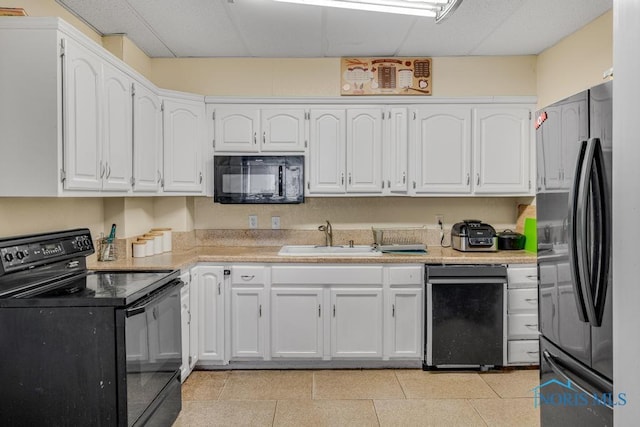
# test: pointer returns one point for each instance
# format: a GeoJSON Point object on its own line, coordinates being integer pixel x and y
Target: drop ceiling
{"type": "Point", "coordinates": [269, 29]}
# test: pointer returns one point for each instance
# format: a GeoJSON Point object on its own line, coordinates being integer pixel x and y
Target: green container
{"type": "Point", "coordinates": [530, 232]}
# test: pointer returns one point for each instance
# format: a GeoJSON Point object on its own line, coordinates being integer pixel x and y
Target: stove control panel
{"type": "Point", "coordinates": [23, 253]}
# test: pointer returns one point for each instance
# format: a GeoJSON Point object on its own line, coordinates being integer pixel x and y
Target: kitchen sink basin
{"type": "Point", "coordinates": [326, 251]}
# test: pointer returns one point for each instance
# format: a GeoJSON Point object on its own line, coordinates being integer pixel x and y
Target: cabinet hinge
{"type": "Point", "coordinates": [133, 89]}
{"type": "Point", "coordinates": [62, 47]}
{"type": "Point", "coordinates": [227, 272]}
{"type": "Point", "coordinates": [63, 175]}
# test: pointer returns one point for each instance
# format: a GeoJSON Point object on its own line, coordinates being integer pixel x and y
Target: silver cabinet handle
{"type": "Point", "coordinates": [414, 185]}
{"type": "Point", "coordinates": [383, 183]}
{"type": "Point", "coordinates": [533, 352]}
{"type": "Point", "coordinates": [532, 277]}
{"type": "Point", "coordinates": [468, 179]}
{"type": "Point", "coordinates": [159, 176]}
{"type": "Point", "coordinates": [393, 310]}
{"type": "Point", "coordinates": [477, 179]}
{"type": "Point", "coordinates": [247, 277]}
{"type": "Point", "coordinates": [342, 178]}
{"type": "Point", "coordinates": [334, 310]}
{"type": "Point", "coordinates": [255, 140]}
{"type": "Point", "coordinates": [319, 310]}
{"type": "Point", "coordinates": [404, 177]}
{"type": "Point", "coordinates": [389, 182]}
{"type": "Point", "coordinates": [260, 310]}
{"type": "Point", "coordinates": [264, 137]}
{"type": "Point", "coordinates": [531, 325]}
{"type": "Point", "coordinates": [531, 299]}
{"type": "Point", "coordinates": [101, 169]}
{"type": "Point", "coordinates": [349, 178]}
{"type": "Point", "coordinates": [108, 170]}
{"type": "Point", "coordinates": [219, 289]}
{"type": "Point", "coordinates": [200, 177]}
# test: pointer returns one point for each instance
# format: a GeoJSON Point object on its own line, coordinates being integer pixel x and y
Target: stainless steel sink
{"type": "Point", "coordinates": [327, 251]}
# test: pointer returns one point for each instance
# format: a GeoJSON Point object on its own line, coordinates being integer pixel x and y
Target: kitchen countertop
{"type": "Point", "coordinates": [269, 254]}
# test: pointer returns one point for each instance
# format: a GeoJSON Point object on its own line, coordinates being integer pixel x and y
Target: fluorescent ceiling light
{"type": "Point", "coordinates": [437, 9]}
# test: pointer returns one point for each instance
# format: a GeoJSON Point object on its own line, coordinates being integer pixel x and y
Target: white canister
{"type": "Point", "coordinates": [166, 238]}
{"type": "Point", "coordinates": [150, 244]}
{"type": "Point", "coordinates": [140, 249]}
{"type": "Point", "coordinates": [157, 242]}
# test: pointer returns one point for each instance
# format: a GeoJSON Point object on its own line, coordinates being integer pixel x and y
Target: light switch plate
{"type": "Point", "coordinates": [275, 223]}
{"type": "Point", "coordinates": [253, 221]}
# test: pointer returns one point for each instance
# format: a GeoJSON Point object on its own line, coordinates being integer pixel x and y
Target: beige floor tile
{"type": "Point", "coordinates": [325, 413]}
{"type": "Point", "coordinates": [508, 412]}
{"type": "Point", "coordinates": [513, 383]}
{"type": "Point", "coordinates": [356, 384]}
{"type": "Point", "coordinates": [443, 385]}
{"type": "Point", "coordinates": [432, 412]}
{"type": "Point", "coordinates": [204, 385]}
{"type": "Point", "coordinates": [268, 385]}
{"type": "Point", "coordinates": [226, 413]}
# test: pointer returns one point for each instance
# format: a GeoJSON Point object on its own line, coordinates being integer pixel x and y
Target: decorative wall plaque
{"type": "Point", "coordinates": [385, 76]}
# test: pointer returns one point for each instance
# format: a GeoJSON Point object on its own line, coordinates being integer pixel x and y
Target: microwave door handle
{"type": "Point", "coordinates": [280, 178]}
{"type": "Point", "coordinates": [574, 230]}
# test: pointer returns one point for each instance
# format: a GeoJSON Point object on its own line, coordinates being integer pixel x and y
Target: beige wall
{"type": "Point", "coordinates": [576, 62]}
{"type": "Point", "coordinates": [264, 77]}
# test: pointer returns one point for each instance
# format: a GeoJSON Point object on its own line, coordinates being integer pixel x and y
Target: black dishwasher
{"type": "Point", "coordinates": [465, 317]}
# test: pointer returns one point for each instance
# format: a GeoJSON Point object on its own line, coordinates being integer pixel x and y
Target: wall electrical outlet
{"type": "Point", "coordinates": [253, 221]}
{"type": "Point", "coordinates": [275, 223]}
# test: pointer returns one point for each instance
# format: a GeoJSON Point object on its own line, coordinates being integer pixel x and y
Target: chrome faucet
{"type": "Point", "coordinates": [328, 233]}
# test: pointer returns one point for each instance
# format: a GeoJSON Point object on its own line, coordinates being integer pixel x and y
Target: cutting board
{"type": "Point", "coordinates": [524, 211]}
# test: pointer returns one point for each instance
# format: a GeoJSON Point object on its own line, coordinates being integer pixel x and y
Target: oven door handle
{"type": "Point", "coordinates": [152, 299]}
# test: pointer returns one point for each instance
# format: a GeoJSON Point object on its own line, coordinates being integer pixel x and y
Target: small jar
{"type": "Point", "coordinates": [166, 238]}
{"type": "Point", "coordinates": [139, 249]}
{"type": "Point", "coordinates": [158, 241]}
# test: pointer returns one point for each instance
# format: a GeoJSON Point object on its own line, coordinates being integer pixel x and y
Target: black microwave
{"type": "Point", "coordinates": [258, 179]}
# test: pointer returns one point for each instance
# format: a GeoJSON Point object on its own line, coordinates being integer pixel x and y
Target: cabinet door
{"type": "Point", "coordinates": [117, 146]}
{"type": "Point", "coordinates": [395, 147]}
{"type": "Point", "coordinates": [184, 125]}
{"type": "Point", "coordinates": [147, 140]}
{"type": "Point", "coordinates": [236, 129]}
{"type": "Point", "coordinates": [296, 322]}
{"type": "Point", "coordinates": [501, 150]}
{"type": "Point", "coordinates": [356, 322]}
{"type": "Point", "coordinates": [185, 319]}
{"type": "Point", "coordinates": [283, 129]}
{"type": "Point", "coordinates": [247, 322]}
{"type": "Point", "coordinates": [211, 312]}
{"type": "Point", "coordinates": [364, 150]}
{"type": "Point", "coordinates": [327, 142]}
{"type": "Point", "coordinates": [82, 75]}
{"type": "Point", "coordinates": [443, 149]}
{"type": "Point", "coordinates": [405, 323]}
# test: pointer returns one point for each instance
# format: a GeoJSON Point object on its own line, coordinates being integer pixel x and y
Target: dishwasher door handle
{"type": "Point", "coordinates": [466, 280]}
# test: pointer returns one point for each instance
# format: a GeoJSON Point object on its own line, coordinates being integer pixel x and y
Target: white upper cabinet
{"type": "Point", "coordinates": [82, 107]}
{"type": "Point", "coordinates": [364, 150]}
{"type": "Point", "coordinates": [236, 129]}
{"type": "Point", "coordinates": [395, 148]}
{"type": "Point", "coordinates": [283, 129]}
{"type": "Point", "coordinates": [502, 148]}
{"type": "Point", "coordinates": [117, 147]}
{"type": "Point", "coordinates": [326, 163]}
{"type": "Point", "coordinates": [442, 136]}
{"type": "Point", "coordinates": [183, 129]}
{"type": "Point", "coordinates": [251, 129]}
{"type": "Point", "coordinates": [147, 140]}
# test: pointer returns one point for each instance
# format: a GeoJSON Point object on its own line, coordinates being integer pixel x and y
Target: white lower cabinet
{"type": "Point", "coordinates": [297, 322]}
{"type": "Point", "coordinates": [209, 299]}
{"type": "Point", "coordinates": [356, 322]}
{"type": "Point", "coordinates": [522, 315]}
{"type": "Point", "coordinates": [405, 323]}
{"type": "Point", "coordinates": [247, 322]}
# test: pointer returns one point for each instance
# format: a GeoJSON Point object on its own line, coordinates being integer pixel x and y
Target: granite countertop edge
{"type": "Point", "coordinates": [269, 254]}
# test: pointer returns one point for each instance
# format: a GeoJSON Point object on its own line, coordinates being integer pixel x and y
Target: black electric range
{"type": "Point", "coordinates": [83, 347]}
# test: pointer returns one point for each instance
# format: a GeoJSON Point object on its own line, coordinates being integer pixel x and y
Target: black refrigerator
{"type": "Point", "coordinates": [573, 199]}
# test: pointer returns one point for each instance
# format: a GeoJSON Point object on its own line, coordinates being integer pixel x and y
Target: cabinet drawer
{"type": "Point", "coordinates": [525, 299]}
{"type": "Point", "coordinates": [327, 275]}
{"type": "Point", "coordinates": [523, 352]}
{"type": "Point", "coordinates": [522, 276]}
{"type": "Point", "coordinates": [406, 275]}
{"type": "Point", "coordinates": [522, 326]}
{"type": "Point", "coordinates": [247, 275]}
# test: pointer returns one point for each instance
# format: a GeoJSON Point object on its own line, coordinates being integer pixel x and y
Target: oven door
{"type": "Point", "coordinates": [153, 350]}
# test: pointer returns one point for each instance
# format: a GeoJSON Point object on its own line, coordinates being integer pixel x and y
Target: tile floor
{"type": "Point", "coordinates": [388, 397]}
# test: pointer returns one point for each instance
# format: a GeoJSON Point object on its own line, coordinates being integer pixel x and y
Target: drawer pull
{"type": "Point", "coordinates": [532, 277]}
{"type": "Point", "coordinates": [531, 299]}
{"type": "Point", "coordinates": [533, 352]}
{"type": "Point", "coordinates": [247, 277]}
{"type": "Point", "coordinates": [531, 326]}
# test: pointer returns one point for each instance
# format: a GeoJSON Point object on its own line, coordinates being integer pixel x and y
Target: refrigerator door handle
{"type": "Point", "coordinates": [601, 215]}
{"type": "Point", "coordinates": [568, 375]}
{"type": "Point", "coordinates": [577, 250]}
